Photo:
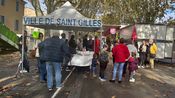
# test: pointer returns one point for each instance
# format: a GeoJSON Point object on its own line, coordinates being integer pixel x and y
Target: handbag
{"type": "Point", "coordinates": [152, 55]}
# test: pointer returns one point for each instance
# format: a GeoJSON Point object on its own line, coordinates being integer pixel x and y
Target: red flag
{"type": "Point", "coordinates": [134, 34]}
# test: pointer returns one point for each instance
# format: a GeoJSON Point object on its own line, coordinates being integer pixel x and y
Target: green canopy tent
{"type": "Point", "coordinates": [8, 39]}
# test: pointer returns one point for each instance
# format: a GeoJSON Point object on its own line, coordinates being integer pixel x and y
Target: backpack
{"type": "Point", "coordinates": [103, 57]}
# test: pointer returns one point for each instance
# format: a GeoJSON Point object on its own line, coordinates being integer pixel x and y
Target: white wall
{"type": "Point", "coordinates": [168, 49]}
{"type": "Point", "coordinates": [162, 33]}
{"type": "Point", "coordinates": [169, 34]}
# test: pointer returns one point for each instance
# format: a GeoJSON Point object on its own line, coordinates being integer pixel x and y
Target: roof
{"type": "Point", "coordinates": [64, 18]}
{"type": "Point", "coordinates": [67, 11]}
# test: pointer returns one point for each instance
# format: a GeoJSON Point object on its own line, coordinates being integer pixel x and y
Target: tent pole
{"type": "Point", "coordinates": [20, 65]}
{"type": "Point", "coordinates": [22, 51]}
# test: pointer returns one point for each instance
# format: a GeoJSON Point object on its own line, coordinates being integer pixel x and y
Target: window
{"type": "Point", "coordinates": [2, 2]}
{"type": "Point", "coordinates": [16, 25]}
{"type": "Point", "coordinates": [2, 19]}
{"type": "Point", "coordinates": [17, 5]}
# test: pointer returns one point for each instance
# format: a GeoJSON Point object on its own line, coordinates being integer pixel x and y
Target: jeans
{"type": "Point", "coordinates": [42, 70]}
{"type": "Point", "coordinates": [57, 68]}
{"type": "Point", "coordinates": [143, 58]}
{"type": "Point", "coordinates": [103, 66]}
{"type": "Point", "coordinates": [94, 70]}
{"type": "Point", "coordinates": [119, 67]}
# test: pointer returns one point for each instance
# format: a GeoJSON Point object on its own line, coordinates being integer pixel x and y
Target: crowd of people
{"type": "Point", "coordinates": [126, 55]}
{"type": "Point", "coordinates": [147, 53]}
{"type": "Point", "coordinates": [54, 52]}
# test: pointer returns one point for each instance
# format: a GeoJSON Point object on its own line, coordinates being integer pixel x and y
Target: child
{"type": "Point", "coordinates": [94, 64]}
{"type": "Point", "coordinates": [132, 66]}
{"type": "Point", "coordinates": [103, 58]}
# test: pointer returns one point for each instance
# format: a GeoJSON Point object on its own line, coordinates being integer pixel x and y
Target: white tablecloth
{"type": "Point", "coordinates": [82, 59]}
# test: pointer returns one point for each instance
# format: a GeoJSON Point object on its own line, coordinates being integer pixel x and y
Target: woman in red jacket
{"type": "Point", "coordinates": [120, 53]}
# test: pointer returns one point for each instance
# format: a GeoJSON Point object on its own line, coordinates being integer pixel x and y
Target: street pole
{"type": "Point", "coordinates": [22, 59]}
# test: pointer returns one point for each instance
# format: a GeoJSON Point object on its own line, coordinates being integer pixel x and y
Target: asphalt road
{"type": "Point", "coordinates": [158, 83]}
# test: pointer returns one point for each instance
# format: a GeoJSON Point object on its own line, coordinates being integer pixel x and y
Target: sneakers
{"type": "Point", "coordinates": [58, 88]}
{"type": "Point", "coordinates": [142, 66]}
{"type": "Point", "coordinates": [119, 81]}
{"type": "Point", "coordinates": [67, 69]}
{"type": "Point", "coordinates": [112, 81]}
{"type": "Point", "coordinates": [101, 79]}
{"type": "Point", "coordinates": [132, 80]}
{"type": "Point", "coordinates": [138, 66]}
{"type": "Point", "coordinates": [23, 71]}
{"type": "Point", "coordinates": [50, 89]}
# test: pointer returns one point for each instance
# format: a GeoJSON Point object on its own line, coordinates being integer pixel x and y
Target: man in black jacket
{"type": "Point", "coordinates": [53, 53]}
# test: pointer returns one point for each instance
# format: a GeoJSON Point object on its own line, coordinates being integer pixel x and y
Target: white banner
{"type": "Point", "coordinates": [62, 22]}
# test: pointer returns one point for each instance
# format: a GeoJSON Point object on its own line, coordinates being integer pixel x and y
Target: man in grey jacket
{"type": "Point", "coordinates": [54, 50]}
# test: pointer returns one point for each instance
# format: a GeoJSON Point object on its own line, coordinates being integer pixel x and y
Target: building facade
{"type": "Point", "coordinates": [11, 14]}
{"type": "Point", "coordinates": [29, 12]}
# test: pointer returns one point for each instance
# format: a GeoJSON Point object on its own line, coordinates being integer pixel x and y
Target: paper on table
{"type": "Point", "coordinates": [81, 59]}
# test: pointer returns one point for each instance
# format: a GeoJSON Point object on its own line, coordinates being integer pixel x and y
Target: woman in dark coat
{"type": "Point", "coordinates": [72, 44]}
